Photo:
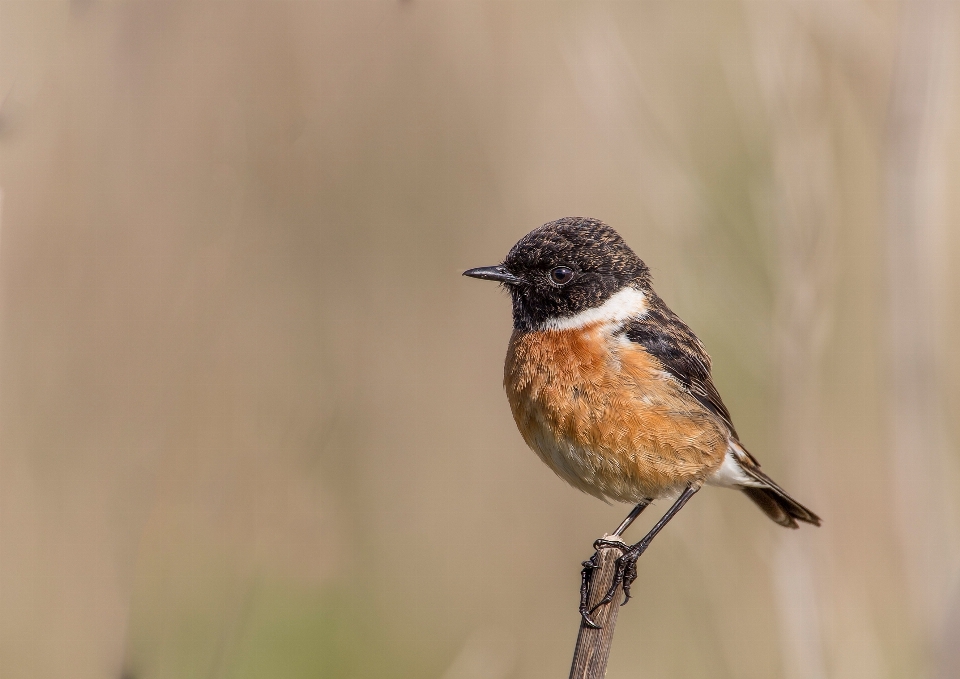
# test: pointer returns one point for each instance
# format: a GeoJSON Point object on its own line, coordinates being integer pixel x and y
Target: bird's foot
{"type": "Point", "coordinates": [625, 574]}
{"type": "Point", "coordinates": [586, 577]}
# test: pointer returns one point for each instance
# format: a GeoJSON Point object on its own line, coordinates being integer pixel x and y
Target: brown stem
{"type": "Point", "coordinates": [593, 645]}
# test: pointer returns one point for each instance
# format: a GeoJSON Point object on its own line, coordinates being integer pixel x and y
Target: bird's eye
{"type": "Point", "coordinates": [561, 275]}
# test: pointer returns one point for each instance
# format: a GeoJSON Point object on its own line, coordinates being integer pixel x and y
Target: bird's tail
{"type": "Point", "coordinates": [771, 498]}
{"type": "Point", "coordinates": [781, 507]}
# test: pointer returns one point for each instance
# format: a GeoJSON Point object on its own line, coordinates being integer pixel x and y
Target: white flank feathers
{"type": "Point", "coordinates": [731, 474]}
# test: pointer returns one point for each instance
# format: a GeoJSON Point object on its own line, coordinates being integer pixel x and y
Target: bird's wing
{"type": "Point", "coordinates": [668, 339]}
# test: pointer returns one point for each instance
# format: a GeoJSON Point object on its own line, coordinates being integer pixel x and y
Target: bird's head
{"type": "Point", "coordinates": [567, 272]}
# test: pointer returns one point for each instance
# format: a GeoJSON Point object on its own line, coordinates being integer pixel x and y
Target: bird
{"type": "Point", "coordinates": [613, 391]}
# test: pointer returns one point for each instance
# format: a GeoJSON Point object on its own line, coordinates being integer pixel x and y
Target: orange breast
{"type": "Point", "coordinates": [601, 413]}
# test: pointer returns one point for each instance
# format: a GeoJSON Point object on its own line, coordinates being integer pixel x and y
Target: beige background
{"type": "Point", "coordinates": [251, 422]}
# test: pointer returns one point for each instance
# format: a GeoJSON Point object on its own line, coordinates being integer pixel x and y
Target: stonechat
{"type": "Point", "coordinates": [612, 390]}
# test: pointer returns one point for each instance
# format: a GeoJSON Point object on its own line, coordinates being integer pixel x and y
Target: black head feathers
{"type": "Point", "coordinates": [569, 266]}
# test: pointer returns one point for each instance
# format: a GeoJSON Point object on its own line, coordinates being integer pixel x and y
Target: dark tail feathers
{"type": "Point", "coordinates": [781, 507]}
{"type": "Point", "coordinates": [771, 498]}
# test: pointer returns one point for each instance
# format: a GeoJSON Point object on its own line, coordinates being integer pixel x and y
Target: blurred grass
{"type": "Point", "coordinates": [283, 628]}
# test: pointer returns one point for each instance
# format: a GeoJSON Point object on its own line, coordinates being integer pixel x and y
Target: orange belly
{"type": "Point", "coordinates": [602, 414]}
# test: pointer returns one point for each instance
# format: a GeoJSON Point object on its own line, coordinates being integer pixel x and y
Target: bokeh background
{"type": "Point", "coordinates": [251, 419]}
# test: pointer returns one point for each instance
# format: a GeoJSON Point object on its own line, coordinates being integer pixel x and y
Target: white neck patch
{"type": "Point", "coordinates": [628, 303]}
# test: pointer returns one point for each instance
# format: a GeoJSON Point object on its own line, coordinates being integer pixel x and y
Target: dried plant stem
{"type": "Point", "coordinates": [593, 645]}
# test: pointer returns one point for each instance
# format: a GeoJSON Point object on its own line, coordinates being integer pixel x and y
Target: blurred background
{"type": "Point", "coordinates": [251, 416]}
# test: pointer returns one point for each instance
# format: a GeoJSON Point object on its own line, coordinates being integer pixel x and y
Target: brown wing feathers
{"type": "Point", "coordinates": [670, 341]}
{"type": "Point", "coordinates": [679, 351]}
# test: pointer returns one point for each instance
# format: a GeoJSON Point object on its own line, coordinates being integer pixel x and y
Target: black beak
{"type": "Point", "coordinates": [493, 273]}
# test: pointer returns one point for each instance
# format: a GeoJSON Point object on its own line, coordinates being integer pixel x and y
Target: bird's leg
{"type": "Point", "coordinates": [631, 517]}
{"type": "Point", "coordinates": [626, 571]}
{"type": "Point", "coordinates": [589, 566]}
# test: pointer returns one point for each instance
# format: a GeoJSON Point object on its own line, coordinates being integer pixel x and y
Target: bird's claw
{"type": "Point", "coordinates": [586, 576]}
{"type": "Point", "coordinates": [625, 573]}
